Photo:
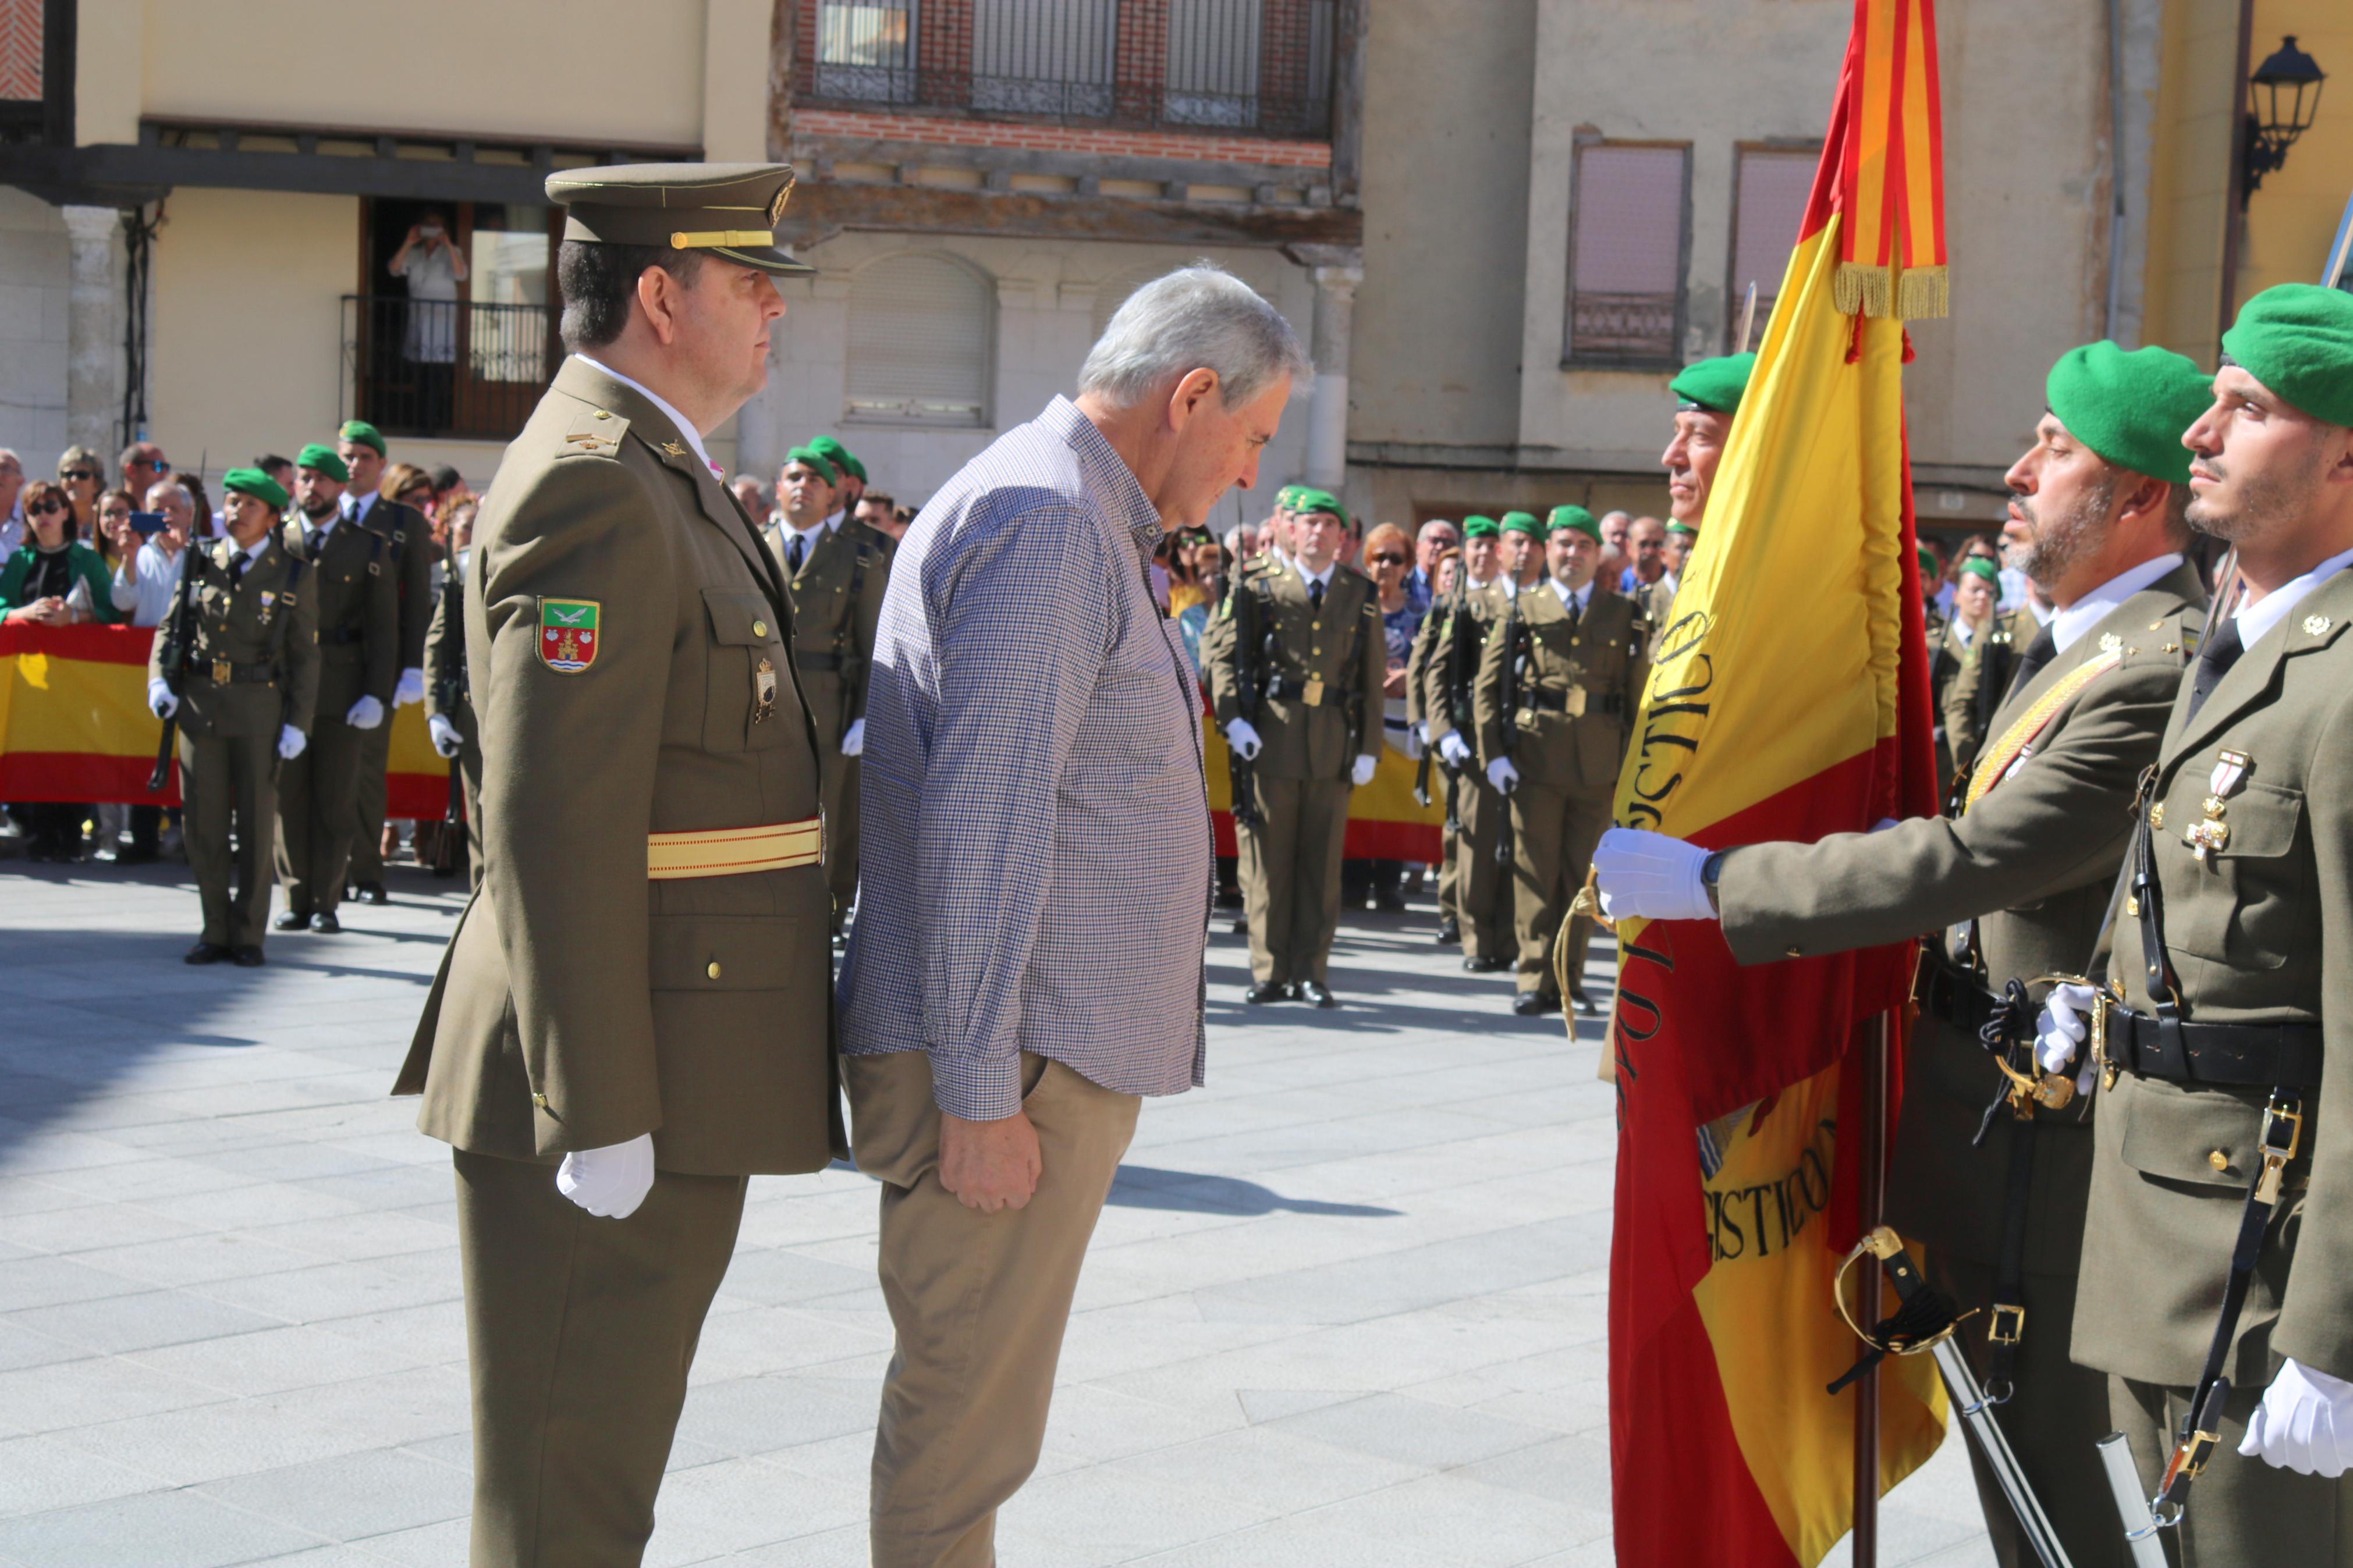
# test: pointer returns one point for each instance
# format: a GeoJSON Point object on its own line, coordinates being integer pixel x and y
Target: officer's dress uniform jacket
{"type": "Point", "coordinates": [837, 603]}
{"type": "Point", "coordinates": [2032, 863]}
{"type": "Point", "coordinates": [408, 540]}
{"type": "Point", "coordinates": [249, 637]}
{"type": "Point", "coordinates": [1572, 712]}
{"type": "Point", "coordinates": [1484, 889]}
{"type": "Point", "coordinates": [357, 598]}
{"type": "Point", "coordinates": [2259, 931]}
{"type": "Point", "coordinates": [1320, 671]}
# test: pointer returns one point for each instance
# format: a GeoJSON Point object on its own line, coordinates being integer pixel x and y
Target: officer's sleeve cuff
{"type": "Point", "coordinates": [976, 1088]}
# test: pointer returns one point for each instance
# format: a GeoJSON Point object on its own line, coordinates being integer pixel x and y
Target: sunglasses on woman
{"type": "Point", "coordinates": [42, 508]}
{"type": "Point", "coordinates": [1388, 560]}
{"type": "Point", "coordinates": [80, 474]}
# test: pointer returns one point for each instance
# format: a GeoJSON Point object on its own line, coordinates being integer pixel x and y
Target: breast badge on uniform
{"type": "Point", "coordinates": [567, 633]}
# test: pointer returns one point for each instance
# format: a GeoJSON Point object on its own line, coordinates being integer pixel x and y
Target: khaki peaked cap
{"type": "Point", "coordinates": [729, 209]}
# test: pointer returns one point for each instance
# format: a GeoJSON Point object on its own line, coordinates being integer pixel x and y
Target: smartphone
{"type": "Point", "coordinates": [147, 523]}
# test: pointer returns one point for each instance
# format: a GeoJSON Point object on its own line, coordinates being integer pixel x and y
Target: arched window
{"type": "Point", "coordinates": [919, 341]}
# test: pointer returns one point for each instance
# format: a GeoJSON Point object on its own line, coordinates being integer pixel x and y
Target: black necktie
{"type": "Point", "coordinates": [2040, 652]}
{"type": "Point", "coordinates": [793, 552]}
{"type": "Point", "coordinates": [1316, 596]}
{"type": "Point", "coordinates": [2214, 661]}
{"type": "Point", "coordinates": [236, 564]}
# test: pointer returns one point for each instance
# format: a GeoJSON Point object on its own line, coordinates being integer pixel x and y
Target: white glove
{"type": "Point", "coordinates": [1454, 749]}
{"type": "Point", "coordinates": [446, 739]}
{"type": "Point", "coordinates": [290, 741]}
{"type": "Point", "coordinates": [160, 701]}
{"type": "Point", "coordinates": [1364, 774]}
{"type": "Point", "coordinates": [365, 714]}
{"type": "Point", "coordinates": [1651, 877]}
{"type": "Point", "coordinates": [611, 1182]}
{"type": "Point", "coordinates": [853, 740]}
{"type": "Point", "coordinates": [1416, 743]}
{"type": "Point", "coordinates": [410, 688]}
{"type": "Point", "coordinates": [1502, 775]}
{"type": "Point", "coordinates": [2060, 1027]}
{"type": "Point", "coordinates": [1243, 738]}
{"type": "Point", "coordinates": [2304, 1423]}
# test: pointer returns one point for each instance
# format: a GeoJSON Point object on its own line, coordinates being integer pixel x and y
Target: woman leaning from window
{"type": "Point", "coordinates": [55, 579]}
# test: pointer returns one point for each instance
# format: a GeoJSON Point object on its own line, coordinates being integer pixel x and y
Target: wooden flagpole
{"type": "Point", "coordinates": [1871, 1149]}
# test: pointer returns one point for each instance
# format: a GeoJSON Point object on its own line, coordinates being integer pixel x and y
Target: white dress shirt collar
{"type": "Point", "coordinates": [356, 507]}
{"type": "Point", "coordinates": [694, 437]}
{"type": "Point", "coordinates": [2269, 611]}
{"type": "Point", "coordinates": [2068, 626]}
{"type": "Point", "coordinates": [1315, 579]}
{"type": "Point", "coordinates": [1571, 598]}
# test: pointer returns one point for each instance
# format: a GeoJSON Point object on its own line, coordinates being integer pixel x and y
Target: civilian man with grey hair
{"type": "Point", "coordinates": [1027, 963]}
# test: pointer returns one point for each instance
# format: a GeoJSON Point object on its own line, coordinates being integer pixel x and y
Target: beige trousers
{"type": "Point", "coordinates": [979, 1300]}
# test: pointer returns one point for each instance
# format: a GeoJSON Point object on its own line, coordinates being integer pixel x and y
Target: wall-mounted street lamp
{"type": "Point", "coordinates": [2285, 95]}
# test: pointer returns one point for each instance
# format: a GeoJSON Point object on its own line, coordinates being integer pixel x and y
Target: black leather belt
{"type": "Point", "coordinates": [1608, 702]}
{"type": "Point", "coordinates": [2238, 1055]}
{"type": "Point", "coordinates": [816, 661]}
{"type": "Point", "coordinates": [239, 674]}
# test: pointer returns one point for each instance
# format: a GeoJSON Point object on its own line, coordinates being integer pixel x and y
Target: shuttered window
{"type": "Point", "coordinates": [1769, 202]}
{"type": "Point", "coordinates": [919, 341]}
{"type": "Point", "coordinates": [1629, 242]}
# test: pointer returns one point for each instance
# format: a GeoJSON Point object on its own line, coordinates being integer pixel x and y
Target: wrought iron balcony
{"type": "Point", "coordinates": [447, 368]}
{"type": "Point", "coordinates": [1247, 67]}
{"type": "Point", "coordinates": [1624, 329]}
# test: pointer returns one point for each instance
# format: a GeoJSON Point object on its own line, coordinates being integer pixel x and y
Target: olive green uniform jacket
{"type": "Point", "coordinates": [837, 602]}
{"type": "Point", "coordinates": [1331, 664]}
{"type": "Point", "coordinates": [2261, 932]}
{"type": "Point", "coordinates": [410, 539]}
{"type": "Point", "coordinates": [582, 1003]}
{"type": "Point", "coordinates": [1483, 889]}
{"type": "Point", "coordinates": [259, 624]}
{"type": "Point", "coordinates": [1966, 708]}
{"type": "Point", "coordinates": [356, 593]}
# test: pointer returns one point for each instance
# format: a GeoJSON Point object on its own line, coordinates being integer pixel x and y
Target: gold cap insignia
{"type": "Point", "coordinates": [2314, 625]}
{"type": "Point", "coordinates": [2110, 642]}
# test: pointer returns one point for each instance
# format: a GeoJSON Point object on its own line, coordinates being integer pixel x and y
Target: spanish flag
{"type": "Point", "coordinates": [1790, 700]}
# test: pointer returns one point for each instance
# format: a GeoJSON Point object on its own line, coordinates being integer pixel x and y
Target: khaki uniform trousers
{"type": "Point", "coordinates": [224, 783]}
{"type": "Point", "coordinates": [367, 816]}
{"type": "Point", "coordinates": [317, 812]}
{"type": "Point", "coordinates": [581, 1332]}
{"type": "Point", "coordinates": [2056, 1414]}
{"type": "Point", "coordinates": [1482, 887]}
{"type": "Point", "coordinates": [979, 1300]}
{"type": "Point", "coordinates": [1450, 877]}
{"type": "Point", "coordinates": [2243, 1513]}
{"type": "Point", "coordinates": [1290, 874]}
{"type": "Point", "coordinates": [470, 787]}
{"type": "Point", "coordinates": [1553, 835]}
{"type": "Point", "coordinates": [836, 783]}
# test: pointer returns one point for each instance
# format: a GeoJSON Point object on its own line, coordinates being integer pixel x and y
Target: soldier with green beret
{"type": "Point", "coordinates": [1463, 624]}
{"type": "Point", "coordinates": [1708, 393]}
{"type": "Point", "coordinates": [852, 482]}
{"type": "Point", "coordinates": [2220, 1156]}
{"type": "Point", "coordinates": [1557, 690]}
{"type": "Point", "coordinates": [1319, 660]}
{"type": "Point", "coordinates": [355, 594]}
{"type": "Point", "coordinates": [836, 570]}
{"type": "Point", "coordinates": [632, 1017]}
{"type": "Point", "coordinates": [2015, 885]}
{"type": "Point", "coordinates": [408, 537]}
{"type": "Point", "coordinates": [236, 663]}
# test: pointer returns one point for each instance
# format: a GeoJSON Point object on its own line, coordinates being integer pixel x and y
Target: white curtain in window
{"type": "Point", "coordinates": [919, 341]}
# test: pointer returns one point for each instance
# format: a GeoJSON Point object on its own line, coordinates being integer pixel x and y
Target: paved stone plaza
{"type": "Point", "coordinates": [1346, 1309]}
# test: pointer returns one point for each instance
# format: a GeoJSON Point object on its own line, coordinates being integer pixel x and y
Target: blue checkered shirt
{"type": "Point", "coordinates": [1034, 828]}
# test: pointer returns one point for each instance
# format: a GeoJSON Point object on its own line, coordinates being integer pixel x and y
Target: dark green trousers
{"type": "Point", "coordinates": [367, 820]}
{"type": "Point", "coordinates": [316, 813]}
{"type": "Point", "coordinates": [581, 1332]}
{"type": "Point", "coordinates": [2244, 1513]}
{"type": "Point", "coordinates": [225, 783]}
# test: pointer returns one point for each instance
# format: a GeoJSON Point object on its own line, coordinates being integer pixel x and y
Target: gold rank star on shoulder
{"type": "Point", "coordinates": [2316, 626]}
{"type": "Point", "coordinates": [673, 448]}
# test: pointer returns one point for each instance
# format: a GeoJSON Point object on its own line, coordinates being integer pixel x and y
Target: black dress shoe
{"type": "Point", "coordinates": [205, 952]}
{"type": "Point", "coordinates": [375, 894]}
{"type": "Point", "coordinates": [1268, 991]}
{"type": "Point", "coordinates": [138, 855]}
{"type": "Point", "coordinates": [1485, 963]}
{"type": "Point", "coordinates": [247, 955]}
{"type": "Point", "coordinates": [1582, 1003]}
{"type": "Point", "coordinates": [1241, 925]}
{"type": "Point", "coordinates": [1390, 903]}
{"type": "Point", "coordinates": [1315, 991]}
{"type": "Point", "coordinates": [1450, 933]}
{"type": "Point", "coordinates": [325, 924]}
{"type": "Point", "coordinates": [293, 920]}
{"type": "Point", "coordinates": [1535, 1003]}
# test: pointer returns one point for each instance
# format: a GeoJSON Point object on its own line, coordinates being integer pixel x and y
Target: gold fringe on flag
{"type": "Point", "coordinates": [1859, 289]}
{"type": "Point", "coordinates": [1915, 294]}
{"type": "Point", "coordinates": [1923, 293]}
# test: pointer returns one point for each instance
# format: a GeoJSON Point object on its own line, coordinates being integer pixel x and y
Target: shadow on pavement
{"type": "Point", "coordinates": [1144, 1187]}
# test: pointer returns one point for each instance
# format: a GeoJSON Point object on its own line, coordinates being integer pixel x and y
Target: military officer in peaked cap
{"type": "Point", "coordinates": [2018, 883]}
{"type": "Point", "coordinates": [633, 1017]}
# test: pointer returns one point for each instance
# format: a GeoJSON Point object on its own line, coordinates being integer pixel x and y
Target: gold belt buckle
{"type": "Point", "coordinates": [2006, 1325]}
{"type": "Point", "coordinates": [221, 672]}
{"type": "Point", "coordinates": [1313, 695]}
{"type": "Point", "coordinates": [2275, 1159]}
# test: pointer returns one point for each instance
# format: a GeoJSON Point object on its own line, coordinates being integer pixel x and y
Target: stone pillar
{"type": "Point", "coordinates": [1327, 406]}
{"type": "Point", "coordinates": [94, 329]}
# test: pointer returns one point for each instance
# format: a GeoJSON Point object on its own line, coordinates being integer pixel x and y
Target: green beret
{"type": "Point", "coordinates": [2130, 408]}
{"type": "Point", "coordinates": [1523, 522]}
{"type": "Point", "coordinates": [1673, 526]}
{"type": "Point", "coordinates": [1928, 559]}
{"type": "Point", "coordinates": [1978, 566]}
{"type": "Point", "coordinates": [816, 459]}
{"type": "Point", "coordinates": [840, 456]}
{"type": "Point", "coordinates": [1574, 517]}
{"type": "Point", "coordinates": [2297, 340]}
{"type": "Point", "coordinates": [257, 484]}
{"type": "Point", "coordinates": [1287, 498]}
{"type": "Point", "coordinates": [1716, 385]}
{"type": "Point", "coordinates": [1476, 527]}
{"type": "Point", "coordinates": [323, 458]}
{"type": "Point", "coordinates": [1305, 501]}
{"type": "Point", "coordinates": [359, 432]}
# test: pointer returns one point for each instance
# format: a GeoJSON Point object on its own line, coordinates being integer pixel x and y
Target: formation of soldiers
{"type": "Point", "coordinates": [2119, 1145]}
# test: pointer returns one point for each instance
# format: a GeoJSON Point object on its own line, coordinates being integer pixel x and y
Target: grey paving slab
{"type": "Point", "coordinates": [1346, 1307]}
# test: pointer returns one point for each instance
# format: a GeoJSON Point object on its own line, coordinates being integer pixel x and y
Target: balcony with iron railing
{"type": "Point", "coordinates": [455, 368]}
{"type": "Point", "coordinates": [1253, 67]}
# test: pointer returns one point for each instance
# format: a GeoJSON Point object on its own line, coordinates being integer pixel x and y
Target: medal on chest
{"type": "Point", "coordinates": [763, 691]}
{"type": "Point", "coordinates": [2210, 835]}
